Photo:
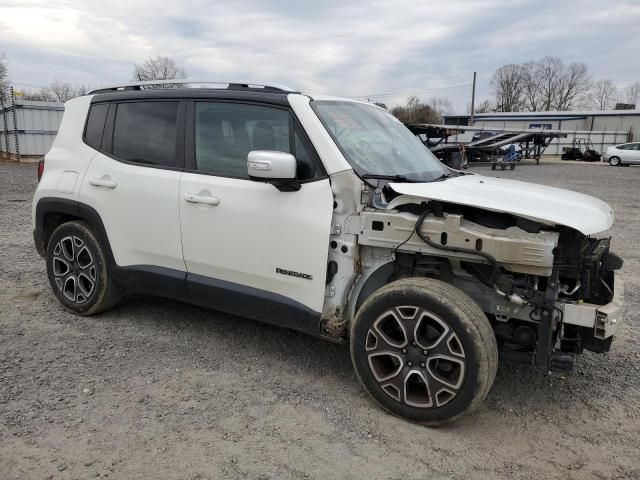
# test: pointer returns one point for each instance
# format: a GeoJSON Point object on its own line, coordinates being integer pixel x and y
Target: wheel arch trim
{"type": "Point", "coordinates": [53, 205]}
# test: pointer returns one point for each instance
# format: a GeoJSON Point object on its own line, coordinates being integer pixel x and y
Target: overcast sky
{"type": "Point", "coordinates": [322, 46]}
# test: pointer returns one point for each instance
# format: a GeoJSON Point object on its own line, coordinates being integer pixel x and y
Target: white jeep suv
{"type": "Point", "coordinates": [324, 215]}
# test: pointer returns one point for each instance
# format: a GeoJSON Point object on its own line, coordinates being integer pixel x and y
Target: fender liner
{"type": "Point", "coordinates": [370, 281]}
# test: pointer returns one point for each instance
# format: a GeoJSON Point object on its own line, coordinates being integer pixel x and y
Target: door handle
{"type": "Point", "coordinates": [103, 182]}
{"type": "Point", "coordinates": [209, 200]}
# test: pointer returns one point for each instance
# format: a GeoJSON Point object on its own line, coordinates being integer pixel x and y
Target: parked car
{"type": "Point", "coordinates": [623, 155]}
{"type": "Point", "coordinates": [327, 216]}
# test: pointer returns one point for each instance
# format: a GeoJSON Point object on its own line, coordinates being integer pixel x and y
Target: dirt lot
{"type": "Point", "coordinates": [159, 389]}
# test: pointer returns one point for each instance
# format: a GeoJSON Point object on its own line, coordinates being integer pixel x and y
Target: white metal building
{"type": "Point", "coordinates": [28, 128]}
{"type": "Point", "coordinates": [603, 127]}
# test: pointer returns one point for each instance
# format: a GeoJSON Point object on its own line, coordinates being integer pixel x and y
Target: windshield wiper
{"type": "Point", "coordinates": [391, 178]}
{"type": "Point", "coordinates": [444, 176]}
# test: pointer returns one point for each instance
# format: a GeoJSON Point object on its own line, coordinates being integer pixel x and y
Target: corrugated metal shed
{"type": "Point", "coordinates": [28, 128]}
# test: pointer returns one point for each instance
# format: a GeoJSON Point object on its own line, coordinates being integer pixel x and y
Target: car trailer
{"type": "Point", "coordinates": [451, 154]}
{"type": "Point", "coordinates": [532, 143]}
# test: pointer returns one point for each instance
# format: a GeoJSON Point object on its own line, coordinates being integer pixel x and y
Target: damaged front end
{"type": "Point", "coordinates": [549, 290]}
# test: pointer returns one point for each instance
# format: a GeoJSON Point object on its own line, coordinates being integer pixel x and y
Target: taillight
{"type": "Point", "coordinates": [40, 169]}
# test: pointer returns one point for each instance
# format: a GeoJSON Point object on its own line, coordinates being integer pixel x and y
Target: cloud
{"type": "Point", "coordinates": [337, 47]}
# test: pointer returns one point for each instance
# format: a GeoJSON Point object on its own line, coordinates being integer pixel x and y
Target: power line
{"type": "Point", "coordinates": [377, 95]}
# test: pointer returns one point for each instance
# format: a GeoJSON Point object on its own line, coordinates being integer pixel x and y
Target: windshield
{"type": "Point", "coordinates": [375, 143]}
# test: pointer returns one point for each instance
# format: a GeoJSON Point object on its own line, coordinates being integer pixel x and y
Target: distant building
{"type": "Point", "coordinates": [28, 128]}
{"type": "Point", "coordinates": [602, 127]}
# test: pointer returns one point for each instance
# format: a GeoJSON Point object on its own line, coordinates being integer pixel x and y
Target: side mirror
{"type": "Point", "coordinates": [277, 168]}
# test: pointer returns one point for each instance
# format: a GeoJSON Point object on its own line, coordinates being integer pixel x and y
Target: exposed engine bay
{"type": "Point", "coordinates": [548, 290]}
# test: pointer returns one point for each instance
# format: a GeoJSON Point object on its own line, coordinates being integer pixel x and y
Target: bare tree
{"type": "Point", "coordinates": [632, 94]}
{"type": "Point", "coordinates": [574, 84]}
{"type": "Point", "coordinates": [159, 68]}
{"type": "Point", "coordinates": [57, 91]}
{"type": "Point", "coordinates": [547, 74]}
{"type": "Point", "coordinates": [34, 95]}
{"type": "Point", "coordinates": [415, 111]}
{"type": "Point", "coordinates": [508, 87]}
{"type": "Point", "coordinates": [441, 105]}
{"type": "Point", "coordinates": [483, 107]}
{"type": "Point", "coordinates": [542, 85]}
{"type": "Point", "coordinates": [4, 74]}
{"type": "Point", "coordinates": [603, 94]}
{"type": "Point", "coordinates": [532, 91]}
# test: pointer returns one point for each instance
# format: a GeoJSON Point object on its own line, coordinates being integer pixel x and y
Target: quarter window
{"type": "Point", "coordinates": [225, 133]}
{"type": "Point", "coordinates": [146, 132]}
{"type": "Point", "coordinates": [95, 125]}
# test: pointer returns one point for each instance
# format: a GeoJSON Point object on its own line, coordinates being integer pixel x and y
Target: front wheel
{"type": "Point", "coordinates": [424, 350]}
{"type": "Point", "coordinates": [78, 271]}
{"type": "Point", "coordinates": [614, 161]}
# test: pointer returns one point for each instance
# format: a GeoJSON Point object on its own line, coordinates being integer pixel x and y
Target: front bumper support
{"type": "Point", "coordinates": [603, 319]}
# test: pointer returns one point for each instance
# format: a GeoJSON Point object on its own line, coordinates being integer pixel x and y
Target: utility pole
{"type": "Point", "coordinates": [473, 99]}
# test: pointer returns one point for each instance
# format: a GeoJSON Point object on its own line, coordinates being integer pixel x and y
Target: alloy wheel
{"type": "Point", "coordinates": [415, 357]}
{"type": "Point", "coordinates": [74, 269]}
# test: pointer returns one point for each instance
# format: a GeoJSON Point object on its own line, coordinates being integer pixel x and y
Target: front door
{"type": "Point", "coordinates": [634, 153]}
{"type": "Point", "coordinates": [249, 248]}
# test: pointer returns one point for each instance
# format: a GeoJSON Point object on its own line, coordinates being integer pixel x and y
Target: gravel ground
{"type": "Point", "coordinates": [159, 389]}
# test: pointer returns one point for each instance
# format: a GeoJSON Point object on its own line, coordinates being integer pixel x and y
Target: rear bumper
{"type": "Point", "coordinates": [603, 319]}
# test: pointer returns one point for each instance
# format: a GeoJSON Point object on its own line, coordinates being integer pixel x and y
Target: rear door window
{"type": "Point", "coordinates": [146, 132]}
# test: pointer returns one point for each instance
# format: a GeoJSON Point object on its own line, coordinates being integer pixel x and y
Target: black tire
{"type": "Point", "coordinates": [493, 166]}
{"type": "Point", "coordinates": [437, 387]}
{"type": "Point", "coordinates": [78, 271]}
{"type": "Point", "coordinates": [512, 167]}
{"type": "Point", "coordinates": [615, 161]}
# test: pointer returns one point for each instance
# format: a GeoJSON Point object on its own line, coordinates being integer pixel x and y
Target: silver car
{"type": "Point", "coordinates": [623, 155]}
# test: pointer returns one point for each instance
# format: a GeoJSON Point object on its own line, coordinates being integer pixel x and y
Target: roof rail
{"type": "Point", "coordinates": [190, 83]}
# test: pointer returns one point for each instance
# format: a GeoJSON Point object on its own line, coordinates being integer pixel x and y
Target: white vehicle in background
{"type": "Point", "coordinates": [328, 216]}
{"type": "Point", "coordinates": [623, 155]}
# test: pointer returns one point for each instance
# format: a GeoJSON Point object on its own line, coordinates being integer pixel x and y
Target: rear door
{"type": "Point", "coordinates": [133, 183]}
{"type": "Point", "coordinates": [249, 248]}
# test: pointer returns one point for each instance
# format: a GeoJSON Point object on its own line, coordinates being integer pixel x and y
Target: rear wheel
{"type": "Point", "coordinates": [78, 270]}
{"type": "Point", "coordinates": [614, 161]}
{"type": "Point", "coordinates": [424, 350]}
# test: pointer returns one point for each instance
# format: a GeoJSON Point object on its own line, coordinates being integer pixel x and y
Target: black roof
{"type": "Point", "coordinates": [245, 94]}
